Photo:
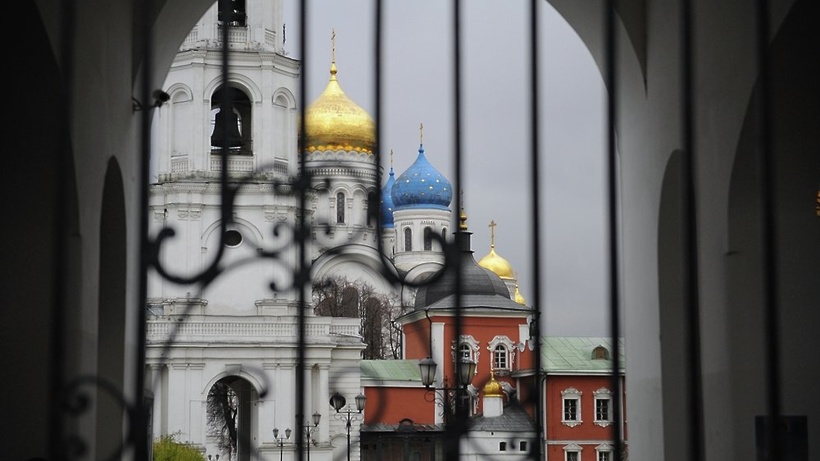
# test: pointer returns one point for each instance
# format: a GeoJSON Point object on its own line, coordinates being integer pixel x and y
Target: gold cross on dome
{"type": "Point", "coordinates": [492, 233]}
{"type": "Point", "coordinates": [421, 133]}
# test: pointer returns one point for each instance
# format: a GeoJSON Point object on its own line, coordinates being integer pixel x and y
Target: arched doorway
{"type": "Point", "coordinates": [229, 418]}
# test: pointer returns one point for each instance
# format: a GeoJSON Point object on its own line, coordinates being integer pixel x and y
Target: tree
{"type": "Point", "coordinates": [340, 297]}
{"type": "Point", "coordinates": [222, 408]}
{"type": "Point", "coordinates": [167, 448]}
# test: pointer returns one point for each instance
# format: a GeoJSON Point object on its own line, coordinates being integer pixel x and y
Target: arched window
{"type": "Point", "coordinates": [340, 208]}
{"type": "Point", "coordinates": [408, 239]}
{"type": "Point", "coordinates": [500, 357]}
{"type": "Point", "coordinates": [502, 446]}
{"type": "Point", "coordinates": [465, 352]}
{"type": "Point", "coordinates": [231, 129]}
{"type": "Point", "coordinates": [428, 239]}
{"type": "Point", "coordinates": [232, 12]}
{"type": "Point", "coordinates": [372, 207]}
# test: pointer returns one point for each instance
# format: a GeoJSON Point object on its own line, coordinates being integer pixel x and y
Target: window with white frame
{"type": "Point", "coordinates": [465, 352]}
{"type": "Point", "coordinates": [501, 348]}
{"type": "Point", "coordinates": [603, 452]}
{"type": "Point", "coordinates": [603, 407]}
{"type": "Point", "coordinates": [500, 357]}
{"type": "Point", "coordinates": [572, 452]}
{"type": "Point", "coordinates": [467, 349]}
{"type": "Point", "coordinates": [571, 403]}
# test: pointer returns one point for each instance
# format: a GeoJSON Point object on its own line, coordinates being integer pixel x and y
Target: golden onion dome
{"type": "Point", "coordinates": [492, 387]}
{"type": "Point", "coordinates": [493, 261]}
{"type": "Point", "coordinates": [519, 298]}
{"type": "Point", "coordinates": [497, 264]}
{"type": "Point", "coordinates": [334, 122]}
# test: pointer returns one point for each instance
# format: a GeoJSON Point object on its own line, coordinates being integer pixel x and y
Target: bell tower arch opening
{"type": "Point", "coordinates": [231, 128]}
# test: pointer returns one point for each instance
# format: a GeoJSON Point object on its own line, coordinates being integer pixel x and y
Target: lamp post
{"type": "Point", "coordinates": [280, 441]}
{"type": "Point", "coordinates": [465, 370]}
{"type": "Point", "coordinates": [308, 429]}
{"type": "Point", "coordinates": [338, 401]}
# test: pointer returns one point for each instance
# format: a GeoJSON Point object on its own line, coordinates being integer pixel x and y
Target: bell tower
{"type": "Point", "coordinates": [246, 124]}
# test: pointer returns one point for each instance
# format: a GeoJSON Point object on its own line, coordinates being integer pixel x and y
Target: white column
{"type": "Point", "coordinates": [178, 400]}
{"type": "Point", "coordinates": [159, 400]}
{"type": "Point", "coordinates": [323, 402]}
{"type": "Point", "coordinates": [439, 354]}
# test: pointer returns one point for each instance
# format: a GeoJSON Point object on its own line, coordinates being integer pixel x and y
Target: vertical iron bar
{"type": "Point", "coordinates": [767, 191]}
{"type": "Point", "coordinates": [537, 232]}
{"type": "Point", "coordinates": [691, 287]}
{"type": "Point", "coordinates": [615, 327]}
{"type": "Point", "coordinates": [59, 272]}
{"type": "Point", "coordinates": [301, 234]}
{"type": "Point", "coordinates": [139, 424]}
{"type": "Point", "coordinates": [456, 430]}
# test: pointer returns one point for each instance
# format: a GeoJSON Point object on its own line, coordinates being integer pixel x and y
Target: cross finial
{"type": "Point", "coordinates": [421, 133]}
{"type": "Point", "coordinates": [492, 233]}
{"type": "Point", "coordinates": [391, 158]}
{"type": "Point", "coordinates": [333, 45]}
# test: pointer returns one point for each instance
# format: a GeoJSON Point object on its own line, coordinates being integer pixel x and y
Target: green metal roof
{"type": "Point", "coordinates": [559, 355]}
{"type": "Point", "coordinates": [391, 370]}
{"type": "Point", "coordinates": [574, 354]}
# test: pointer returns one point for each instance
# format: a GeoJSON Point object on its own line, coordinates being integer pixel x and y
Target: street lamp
{"type": "Point", "coordinates": [465, 370]}
{"type": "Point", "coordinates": [308, 429]}
{"type": "Point", "coordinates": [280, 441]}
{"type": "Point", "coordinates": [338, 401]}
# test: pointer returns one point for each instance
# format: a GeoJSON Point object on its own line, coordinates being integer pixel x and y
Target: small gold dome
{"type": "Point", "coordinates": [334, 122]}
{"type": "Point", "coordinates": [497, 264]}
{"type": "Point", "coordinates": [492, 387]}
{"type": "Point", "coordinates": [519, 298]}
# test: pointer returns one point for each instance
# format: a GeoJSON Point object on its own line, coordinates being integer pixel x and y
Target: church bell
{"type": "Point", "coordinates": [226, 119]}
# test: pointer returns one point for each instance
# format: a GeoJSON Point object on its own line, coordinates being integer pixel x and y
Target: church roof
{"type": "Point", "coordinates": [513, 419]}
{"type": "Point", "coordinates": [571, 354]}
{"type": "Point", "coordinates": [422, 186]}
{"type": "Point", "coordinates": [480, 287]}
{"type": "Point", "coordinates": [391, 370]}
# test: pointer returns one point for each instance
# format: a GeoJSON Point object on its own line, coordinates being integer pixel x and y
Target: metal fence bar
{"type": "Point", "coordinates": [610, 77]}
{"type": "Point", "coordinates": [537, 232]}
{"type": "Point", "coordinates": [768, 176]}
{"type": "Point", "coordinates": [691, 288]}
{"type": "Point", "coordinates": [59, 273]}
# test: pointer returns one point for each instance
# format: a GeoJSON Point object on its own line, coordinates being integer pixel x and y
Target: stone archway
{"type": "Point", "coordinates": [229, 418]}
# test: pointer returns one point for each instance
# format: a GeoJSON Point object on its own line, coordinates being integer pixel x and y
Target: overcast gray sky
{"type": "Point", "coordinates": [418, 88]}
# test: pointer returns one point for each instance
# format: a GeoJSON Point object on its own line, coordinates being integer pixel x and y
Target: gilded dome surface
{"type": "Point", "coordinates": [519, 298]}
{"type": "Point", "coordinates": [334, 122]}
{"type": "Point", "coordinates": [492, 387]}
{"type": "Point", "coordinates": [497, 264]}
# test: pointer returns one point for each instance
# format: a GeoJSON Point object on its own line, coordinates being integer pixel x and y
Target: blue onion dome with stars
{"type": "Point", "coordinates": [422, 186]}
{"type": "Point", "coordinates": [387, 200]}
